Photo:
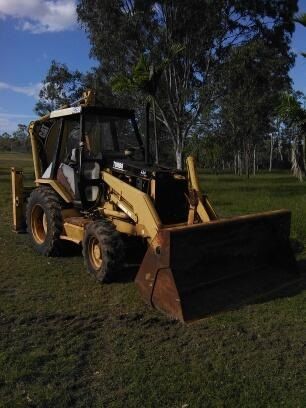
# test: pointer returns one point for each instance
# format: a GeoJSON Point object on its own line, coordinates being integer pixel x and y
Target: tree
{"type": "Point", "coordinates": [21, 138]}
{"type": "Point", "coordinates": [60, 87]}
{"type": "Point", "coordinates": [121, 31]}
{"type": "Point", "coordinates": [294, 115]}
{"type": "Point", "coordinates": [255, 74]}
{"type": "Point", "coordinates": [301, 19]}
{"type": "Point", "coordinates": [18, 141]}
{"type": "Point", "coordinates": [5, 141]}
{"type": "Point", "coordinates": [144, 80]}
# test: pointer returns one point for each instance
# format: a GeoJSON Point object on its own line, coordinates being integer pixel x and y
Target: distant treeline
{"type": "Point", "coordinates": [210, 151]}
{"type": "Point", "coordinates": [18, 141]}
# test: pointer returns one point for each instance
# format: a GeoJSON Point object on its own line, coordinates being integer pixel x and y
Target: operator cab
{"type": "Point", "coordinates": [77, 142]}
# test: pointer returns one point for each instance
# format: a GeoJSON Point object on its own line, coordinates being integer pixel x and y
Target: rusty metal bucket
{"type": "Point", "coordinates": [193, 271]}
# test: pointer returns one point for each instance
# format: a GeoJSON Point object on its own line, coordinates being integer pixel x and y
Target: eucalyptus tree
{"type": "Point", "coordinates": [254, 76]}
{"type": "Point", "coordinates": [121, 31]}
{"type": "Point", "coordinates": [59, 87]}
{"type": "Point", "coordinates": [301, 19]}
{"type": "Point", "coordinates": [293, 113]}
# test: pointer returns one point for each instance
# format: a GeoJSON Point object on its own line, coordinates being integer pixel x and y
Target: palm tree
{"type": "Point", "coordinates": [144, 80]}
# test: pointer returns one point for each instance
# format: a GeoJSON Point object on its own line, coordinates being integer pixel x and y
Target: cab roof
{"type": "Point", "coordinates": [74, 110]}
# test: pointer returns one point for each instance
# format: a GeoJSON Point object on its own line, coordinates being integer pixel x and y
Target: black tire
{"type": "Point", "coordinates": [103, 250]}
{"type": "Point", "coordinates": [44, 220]}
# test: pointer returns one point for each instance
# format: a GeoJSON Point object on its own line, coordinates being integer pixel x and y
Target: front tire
{"type": "Point", "coordinates": [44, 220]}
{"type": "Point", "coordinates": [102, 250]}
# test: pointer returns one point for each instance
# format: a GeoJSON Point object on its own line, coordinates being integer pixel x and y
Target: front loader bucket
{"type": "Point", "coordinates": [192, 271]}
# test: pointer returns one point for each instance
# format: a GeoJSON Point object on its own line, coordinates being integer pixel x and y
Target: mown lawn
{"type": "Point", "coordinates": [66, 341]}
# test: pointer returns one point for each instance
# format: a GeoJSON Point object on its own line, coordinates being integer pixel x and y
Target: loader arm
{"type": "Point", "coordinates": [185, 263]}
{"type": "Point", "coordinates": [203, 207]}
{"type": "Point", "coordinates": [138, 205]}
{"type": "Point", "coordinates": [135, 203]}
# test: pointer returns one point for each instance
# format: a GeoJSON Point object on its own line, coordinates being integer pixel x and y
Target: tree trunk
{"type": "Point", "coordinates": [280, 149]}
{"type": "Point", "coordinates": [155, 132]}
{"type": "Point", "coordinates": [179, 158]}
{"type": "Point", "coordinates": [246, 160]}
{"type": "Point", "coordinates": [235, 163]}
{"type": "Point", "coordinates": [296, 162]}
{"type": "Point", "coordinates": [239, 164]}
{"type": "Point", "coordinates": [271, 153]}
{"type": "Point", "coordinates": [254, 161]}
{"type": "Point", "coordinates": [247, 164]}
{"type": "Point", "coordinates": [304, 152]}
{"type": "Point", "coordinates": [179, 145]}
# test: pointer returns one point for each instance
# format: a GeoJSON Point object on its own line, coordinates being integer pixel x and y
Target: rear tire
{"type": "Point", "coordinates": [102, 250]}
{"type": "Point", "coordinates": [44, 220]}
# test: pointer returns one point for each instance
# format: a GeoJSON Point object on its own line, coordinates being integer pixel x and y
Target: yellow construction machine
{"type": "Point", "coordinates": [95, 183]}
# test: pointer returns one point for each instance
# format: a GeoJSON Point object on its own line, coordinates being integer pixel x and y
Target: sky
{"type": "Point", "coordinates": [34, 32]}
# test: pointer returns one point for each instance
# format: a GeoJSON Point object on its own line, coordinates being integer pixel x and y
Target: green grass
{"type": "Point", "coordinates": [66, 341]}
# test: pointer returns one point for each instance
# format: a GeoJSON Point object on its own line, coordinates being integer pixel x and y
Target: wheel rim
{"type": "Point", "coordinates": [39, 224]}
{"type": "Point", "coordinates": [95, 254]}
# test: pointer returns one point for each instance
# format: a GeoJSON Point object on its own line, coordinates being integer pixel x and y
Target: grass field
{"type": "Point", "coordinates": [66, 341]}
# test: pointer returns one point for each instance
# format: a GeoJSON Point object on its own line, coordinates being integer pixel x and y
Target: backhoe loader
{"type": "Point", "coordinates": [95, 183]}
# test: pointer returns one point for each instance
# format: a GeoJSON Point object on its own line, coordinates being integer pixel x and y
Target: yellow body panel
{"type": "Point", "coordinates": [140, 203]}
{"type": "Point", "coordinates": [61, 191]}
{"type": "Point", "coordinates": [203, 208]}
{"type": "Point", "coordinates": [17, 198]}
{"type": "Point", "coordinates": [72, 232]}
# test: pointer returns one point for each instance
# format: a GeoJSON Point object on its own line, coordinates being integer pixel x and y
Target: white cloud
{"type": "Point", "coordinates": [10, 121]}
{"type": "Point", "coordinates": [39, 16]}
{"type": "Point", "coordinates": [30, 90]}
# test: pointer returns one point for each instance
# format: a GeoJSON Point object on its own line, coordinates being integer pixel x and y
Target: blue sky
{"type": "Point", "coordinates": [33, 32]}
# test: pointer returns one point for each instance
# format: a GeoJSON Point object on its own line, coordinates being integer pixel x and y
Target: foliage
{"type": "Point", "coordinates": [120, 32]}
{"type": "Point", "coordinates": [60, 87]}
{"type": "Point", "coordinates": [301, 19]}
{"type": "Point", "coordinates": [253, 78]}
{"type": "Point", "coordinates": [16, 142]}
{"type": "Point", "coordinates": [144, 81]}
{"type": "Point", "coordinates": [292, 112]}
{"type": "Point", "coordinates": [145, 76]}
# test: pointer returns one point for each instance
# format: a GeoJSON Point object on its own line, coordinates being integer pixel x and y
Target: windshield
{"type": "Point", "coordinates": [108, 134]}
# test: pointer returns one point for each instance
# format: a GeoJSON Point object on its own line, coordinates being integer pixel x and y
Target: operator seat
{"type": "Point", "coordinates": [66, 173]}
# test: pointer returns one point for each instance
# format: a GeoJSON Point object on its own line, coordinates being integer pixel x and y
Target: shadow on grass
{"type": "Point", "coordinates": [70, 249]}
{"type": "Point", "coordinates": [263, 286]}
{"type": "Point", "coordinates": [135, 250]}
